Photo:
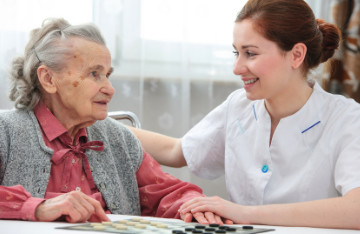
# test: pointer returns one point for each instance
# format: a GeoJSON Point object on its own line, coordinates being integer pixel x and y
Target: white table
{"type": "Point", "coordinates": [26, 227]}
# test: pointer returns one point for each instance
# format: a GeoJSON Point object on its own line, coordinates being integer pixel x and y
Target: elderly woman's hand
{"type": "Point", "coordinates": [75, 206]}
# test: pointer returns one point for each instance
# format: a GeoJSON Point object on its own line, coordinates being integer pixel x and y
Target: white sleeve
{"type": "Point", "coordinates": [347, 173]}
{"type": "Point", "coordinates": [204, 145]}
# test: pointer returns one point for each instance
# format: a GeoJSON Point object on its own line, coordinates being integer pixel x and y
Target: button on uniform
{"type": "Point", "coordinates": [265, 168]}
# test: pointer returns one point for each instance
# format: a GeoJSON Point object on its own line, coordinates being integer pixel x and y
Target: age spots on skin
{"type": "Point", "coordinates": [75, 83]}
{"type": "Point", "coordinates": [69, 73]}
{"type": "Point", "coordinates": [82, 77]}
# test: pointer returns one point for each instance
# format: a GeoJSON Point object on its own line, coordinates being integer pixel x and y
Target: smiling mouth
{"type": "Point", "coordinates": [251, 81]}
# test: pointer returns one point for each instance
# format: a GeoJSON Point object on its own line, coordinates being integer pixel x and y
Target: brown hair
{"type": "Point", "coordinates": [287, 22]}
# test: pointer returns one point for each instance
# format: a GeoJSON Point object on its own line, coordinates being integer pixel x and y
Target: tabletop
{"type": "Point", "coordinates": [27, 227]}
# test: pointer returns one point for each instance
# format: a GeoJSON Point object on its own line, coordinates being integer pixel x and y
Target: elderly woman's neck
{"type": "Point", "coordinates": [71, 124]}
{"type": "Point", "coordinates": [73, 127]}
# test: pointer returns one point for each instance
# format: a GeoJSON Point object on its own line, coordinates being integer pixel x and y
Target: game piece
{"type": "Point", "coordinates": [99, 227]}
{"type": "Point", "coordinates": [142, 226]}
{"type": "Point", "coordinates": [161, 225]}
{"type": "Point", "coordinates": [121, 221]}
{"type": "Point", "coordinates": [106, 223]}
{"type": "Point", "coordinates": [144, 221]}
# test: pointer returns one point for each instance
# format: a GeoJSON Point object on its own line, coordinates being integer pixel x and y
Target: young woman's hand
{"type": "Point", "coordinates": [201, 215]}
{"type": "Point", "coordinates": [214, 207]}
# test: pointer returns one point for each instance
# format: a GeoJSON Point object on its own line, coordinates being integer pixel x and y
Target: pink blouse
{"type": "Point", "coordinates": [161, 194]}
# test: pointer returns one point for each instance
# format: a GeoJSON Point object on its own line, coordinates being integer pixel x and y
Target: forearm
{"type": "Point", "coordinates": [164, 149]}
{"type": "Point", "coordinates": [181, 193]}
{"type": "Point", "coordinates": [161, 194]}
{"type": "Point", "coordinates": [16, 203]}
{"type": "Point", "coordinates": [341, 212]}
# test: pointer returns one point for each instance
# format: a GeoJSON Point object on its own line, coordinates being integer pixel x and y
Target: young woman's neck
{"type": "Point", "coordinates": [289, 101]}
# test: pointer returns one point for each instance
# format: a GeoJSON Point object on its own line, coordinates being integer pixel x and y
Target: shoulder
{"type": "Point", "coordinates": [19, 128]}
{"type": "Point", "coordinates": [334, 105]}
{"type": "Point", "coordinates": [113, 129]}
{"type": "Point", "coordinates": [109, 125]}
{"type": "Point", "coordinates": [216, 121]}
{"type": "Point", "coordinates": [339, 114]}
{"type": "Point", "coordinates": [13, 115]}
{"type": "Point", "coordinates": [236, 100]}
{"type": "Point", "coordinates": [117, 136]}
{"type": "Point", "coordinates": [238, 96]}
{"type": "Point", "coordinates": [16, 119]}
{"type": "Point", "coordinates": [238, 106]}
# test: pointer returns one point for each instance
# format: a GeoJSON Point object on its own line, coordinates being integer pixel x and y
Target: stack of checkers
{"type": "Point", "coordinates": [142, 226]}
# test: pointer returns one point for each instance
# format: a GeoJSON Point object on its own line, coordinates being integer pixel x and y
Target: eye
{"type": "Point", "coordinates": [95, 74]}
{"type": "Point", "coordinates": [250, 54]}
{"type": "Point", "coordinates": [236, 53]}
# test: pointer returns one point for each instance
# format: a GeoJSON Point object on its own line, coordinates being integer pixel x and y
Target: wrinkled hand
{"type": "Point", "coordinates": [212, 207]}
{"type": "Point", "coordinates": [75, 206]}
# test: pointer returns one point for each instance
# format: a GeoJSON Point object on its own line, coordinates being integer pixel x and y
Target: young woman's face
{"type": "Point", "coordinates": [262, 66]}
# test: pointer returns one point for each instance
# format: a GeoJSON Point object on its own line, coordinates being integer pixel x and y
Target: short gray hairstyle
{"type": "Point", "coordinates": [46, 46]}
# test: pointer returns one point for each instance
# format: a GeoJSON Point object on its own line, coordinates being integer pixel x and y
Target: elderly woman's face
{"type": "Point", "coordinates": [83, 87]}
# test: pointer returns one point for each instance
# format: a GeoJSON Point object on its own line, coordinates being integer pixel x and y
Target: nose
{"type": "Point", "coordinates": [239, 66]}
{"type": "Point", "coordinates": [107, 88]}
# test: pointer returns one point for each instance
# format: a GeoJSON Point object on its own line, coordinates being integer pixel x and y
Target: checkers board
{"type": "Point", "coordinates": [142, 226]}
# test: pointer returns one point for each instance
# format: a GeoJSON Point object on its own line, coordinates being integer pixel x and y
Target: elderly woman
{"type": "Point", "coordinates": [60, 156]}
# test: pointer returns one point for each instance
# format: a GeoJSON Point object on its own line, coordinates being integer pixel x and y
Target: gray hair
{"type": "Point", "coordinates": [47, 45]}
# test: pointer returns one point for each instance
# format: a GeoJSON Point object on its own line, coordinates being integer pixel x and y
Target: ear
{"type": "Point", "coordinates": [46, 79]}
{"type": "Point", "coordinates": [298, 54]}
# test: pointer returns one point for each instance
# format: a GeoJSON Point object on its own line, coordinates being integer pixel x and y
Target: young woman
{"type": "Point", "coordinates": [289, 150]}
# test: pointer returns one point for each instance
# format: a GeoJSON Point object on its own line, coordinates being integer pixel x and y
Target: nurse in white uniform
{"type": "Point", "coordinates": [290, 151]}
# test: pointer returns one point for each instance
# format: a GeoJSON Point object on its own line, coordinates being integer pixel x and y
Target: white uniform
{"type": "Point", "coordinates": [314, 153]}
